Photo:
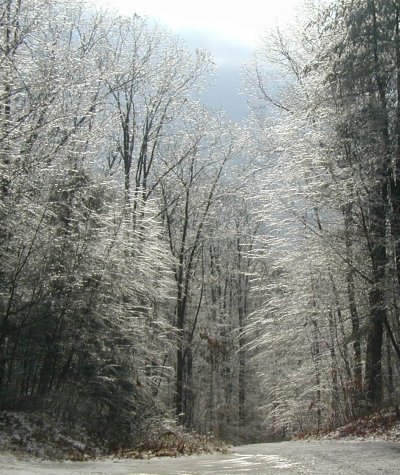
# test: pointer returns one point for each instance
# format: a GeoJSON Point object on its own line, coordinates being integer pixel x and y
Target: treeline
{"type": "Point", "coordinates": [331, 316]}
{"type": "Point", "coordinates": [124, 286]}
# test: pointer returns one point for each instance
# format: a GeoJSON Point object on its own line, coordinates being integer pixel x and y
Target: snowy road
{"type": "Point", "coordinates": [323, 458]}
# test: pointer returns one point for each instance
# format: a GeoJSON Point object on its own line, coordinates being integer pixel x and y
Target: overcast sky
{"type": "Point", "coordinates": [233, 21]}
{"type": "Point", "coordinates": [229, 29]}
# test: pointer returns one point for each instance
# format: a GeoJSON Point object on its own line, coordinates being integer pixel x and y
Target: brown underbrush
{"type": "Point", "coordinates": [380, 425]}
{"type": "Point", "coordinates": [40, 435]}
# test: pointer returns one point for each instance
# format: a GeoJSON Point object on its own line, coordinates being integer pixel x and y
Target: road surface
{"type": "Point", "coordinates": [322, 458]}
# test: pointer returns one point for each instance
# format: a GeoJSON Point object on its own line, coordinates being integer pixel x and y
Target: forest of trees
{"type": "Point", "coordinates": [161, 261]}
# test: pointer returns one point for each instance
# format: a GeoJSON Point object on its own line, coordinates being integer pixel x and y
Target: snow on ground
{"type": "Point", "coordinates": [43, 437]}
{"type": "Point", "coordinates": [28, 442]}
{"type": "Point", "coordinates": [329, 457]}
{"type": "Point", "coordinates": [381, 426]}
{"type": "Point", "coordinates": [36, 434]}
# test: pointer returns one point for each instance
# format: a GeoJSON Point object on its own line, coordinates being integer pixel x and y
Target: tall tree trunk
{"type": "Point", "coordinates": [395, 174]}
{"type": "Point", "coordinates": [242, 310]}
{"type": "Point", "coordinates": [378, 312]}
{"type": "Point", "coordinates": [351, 295]}
{"type": "Point", "coordinates": [180, 361]}
{"type": "Point", "coordinates": [378, 216]}
{"type": "Point", "coordinates": [389, 365]}
{"type": "Point", "coordinates": [316, 353]}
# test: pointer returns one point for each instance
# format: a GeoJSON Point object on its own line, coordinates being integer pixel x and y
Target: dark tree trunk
{"type": "Point", "coordinates": [351, 294]}
{"type": "Point", "coordinates": [378, 312]}
{"type": "Point", "coordinates": [373, 366]}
